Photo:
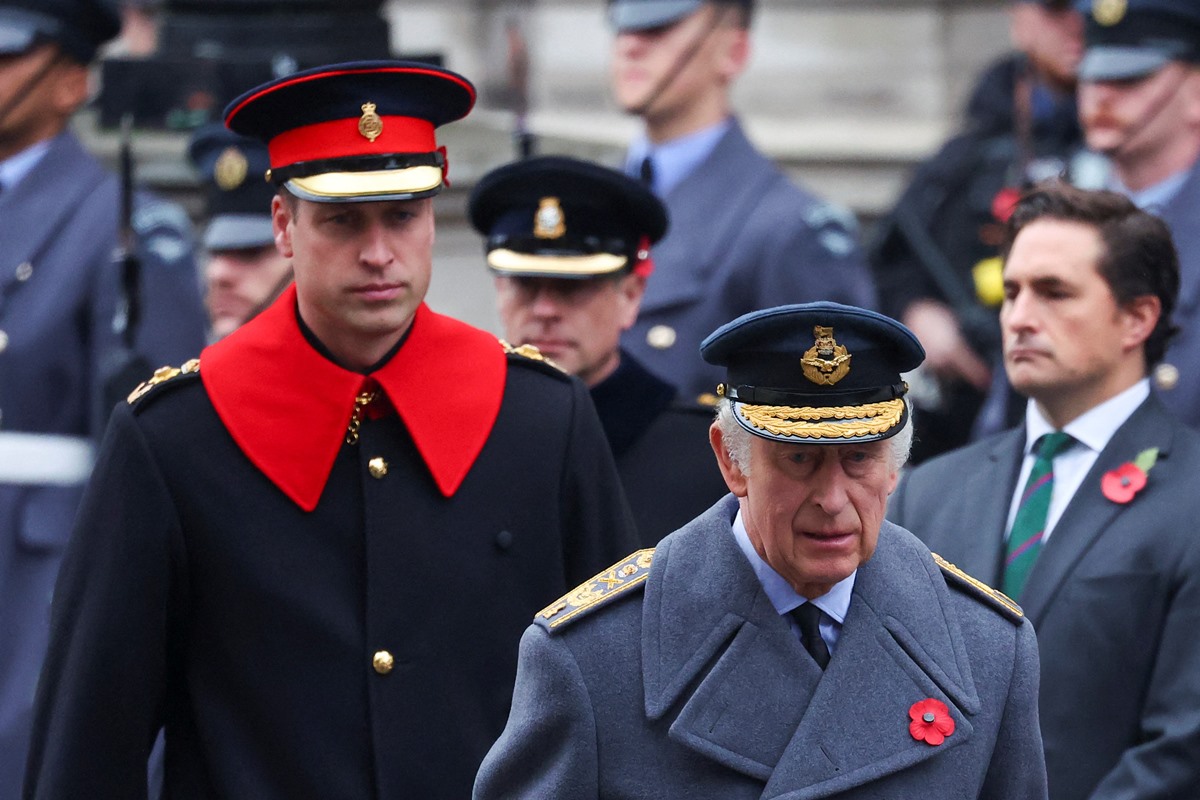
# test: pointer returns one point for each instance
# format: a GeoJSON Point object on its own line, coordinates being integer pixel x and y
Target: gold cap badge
{"type": "Point", "coordinates": [369, 124]}
{"type": "Point", "coordinates": [826, 362]}
{"type": "Point", "coordinates": [548, 221]}
{"type": "Point", "coordinates": [230, 169]}
{"type": "Point", "coordinates": [1109, 12]}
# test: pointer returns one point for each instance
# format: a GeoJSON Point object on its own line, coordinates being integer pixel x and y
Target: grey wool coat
{"type": "Point", "coordinates": [672, 676]}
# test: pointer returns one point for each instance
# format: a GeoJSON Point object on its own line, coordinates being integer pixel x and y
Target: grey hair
{"type": "Point", "coordinates": [736, 439]}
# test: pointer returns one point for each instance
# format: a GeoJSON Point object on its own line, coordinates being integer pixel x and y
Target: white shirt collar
{"type": "Point", "coordinates": [1093, 428]}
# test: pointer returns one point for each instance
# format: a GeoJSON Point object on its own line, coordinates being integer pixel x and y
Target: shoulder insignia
{"type": "Point", "coordinates": [163, 375]}
{"type": "Point", "coordinates": [613, 582]}
{"type": "Point", "coordinates": [530, 353]}
{"type": "Point", "coordinates": [973, 586]}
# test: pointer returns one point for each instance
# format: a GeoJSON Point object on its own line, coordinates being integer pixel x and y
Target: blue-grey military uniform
{"type": "Point", "coordinates": [672, 675]}
{"type": "Point", "coordinates": [742, 237]}
{"type": "Point", "coordinates": [59, 288]}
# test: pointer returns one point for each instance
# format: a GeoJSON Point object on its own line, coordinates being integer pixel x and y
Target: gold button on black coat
{"type": "Point", "coordinates": [378, 467]}
{"type": "Point", "coordinates": [383, 662]}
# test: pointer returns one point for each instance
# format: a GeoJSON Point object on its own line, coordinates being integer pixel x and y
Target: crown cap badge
{"type": "Point", "coordinates": [230, 169]}
{"type": "Point", "coordinates": [370, 125]}
{"type": "Point", "coordinates": [826, 362]}
{"type": "Point", "coordinates": [549, 221]}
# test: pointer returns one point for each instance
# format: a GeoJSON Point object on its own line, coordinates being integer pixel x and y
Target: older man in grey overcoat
{"type": "Point", "coordinates": [788, 643]}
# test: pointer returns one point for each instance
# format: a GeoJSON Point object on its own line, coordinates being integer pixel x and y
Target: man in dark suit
{"type": "Point", "coordinates": [569, 244]}
{"type": "Point", "coordinates": [62, 303]}
{"type": "Point", "coordinates": [308, 556]}
{"type": "Point", "coordinates": [742, 236]}
{"type": "Point", "coordinates": [1086, 514]}
{"type": "Point", "coordinates": [787, 643]}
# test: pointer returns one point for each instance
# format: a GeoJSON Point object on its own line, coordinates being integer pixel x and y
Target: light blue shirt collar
{"type": "Point", "coordinates": [1154, 198]}
{"type": "Point", "coordinates": [676, 159]}
{"type": "Point", "coordinates": [14, 168]}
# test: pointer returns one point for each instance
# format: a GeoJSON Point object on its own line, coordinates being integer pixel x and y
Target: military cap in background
{"type": "Point", "coordinates": [1129, 39]}
{"type": "Point", "coordinates": [78, 27]}
{"type": "Point", "coordinates": [815, 372]}
{"type": "Point", "coordinates": [237, 194]}
{"type": "Point", "coordinates": [357, 131]}
{"type": "Point", "coordinates": [559, 217]}
{"type": "Point", "coordinates": [638, 15]}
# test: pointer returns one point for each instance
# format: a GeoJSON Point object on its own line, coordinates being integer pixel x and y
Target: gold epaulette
{"type": "Point", "coordinates": [530, 352]}
{"type": "Point", "coordinates": [590, 595]}
{"type": "Point", "coordinates": [161, 376]}
{"type": "Point", "coordinates": [977, 588]}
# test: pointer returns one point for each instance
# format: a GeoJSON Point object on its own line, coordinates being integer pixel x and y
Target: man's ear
{"type": "Point", "coordinates": [281, 218]}
{"type": "Point", "coordinates": [631, 289]}
{"type": "Point", "coordinates": [1140, 315]}
{"type": "Point", "coordinates": [735, 479]}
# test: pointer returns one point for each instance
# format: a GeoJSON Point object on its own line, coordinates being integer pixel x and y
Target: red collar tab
{"type": "Point", "coordinates": [342, 138]}
{"type": "Point", "coordinates": [288, 407]}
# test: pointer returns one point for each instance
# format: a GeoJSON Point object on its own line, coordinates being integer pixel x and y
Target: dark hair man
{"type": "Point", "coordinates": [1086, 513]}
{"type": "Point", "coordinates": [308, 556]}
{"type": "Point", "coordinates": [742, 235]}
{"type": "Point", "coordinates": [64, 319]}
{"type": "Point", "coordinates": [788, 642]}
{"type": "Point", "coordinates": [569, 244]}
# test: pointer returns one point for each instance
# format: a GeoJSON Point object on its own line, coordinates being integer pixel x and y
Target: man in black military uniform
{"type": "Point", "coordinates": [934, 255]}
{"type": "Point", "coordinates": [568, 242]}
{"type": "Point", "coordinates": [308, 556]}
{"type": "Point", "coordinates": [243, 272]}
{"type": "Point", "coordinates": [61, 297]}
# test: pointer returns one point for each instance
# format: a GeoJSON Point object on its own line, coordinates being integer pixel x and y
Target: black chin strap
{"type": "Point", "coordinates": [30, 84]}
{"type": "Point", "coordinates": [682, 61]}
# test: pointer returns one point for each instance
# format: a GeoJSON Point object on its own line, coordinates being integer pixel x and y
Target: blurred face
{"type": "Point", "coordinates": [812, 512]}
{"type": "Point", "coordinates": [361, 270]}
{"type": "Point", "coordinates": [644, 64]}
{"type": "Point", "coordinates": [46, 102]}
{"type": "Point", "coordinates": [1143, 120]}
{"type": "Point", "coordinates": [1067, 343]}
{"type": "Point", "coordinates": [1051, 39]}
{"type": "Point", "coordinates": [239, 282]}
{"type": "Point", "coordinates": [576, 322]}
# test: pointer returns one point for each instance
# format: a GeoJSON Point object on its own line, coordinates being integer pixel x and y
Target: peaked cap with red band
{"type": "Point", "coordinates": [288, 407]}
{"type": "Point", "coordinates": [357, 131]}
{"type": "Point", "coordinates": [559, 217]}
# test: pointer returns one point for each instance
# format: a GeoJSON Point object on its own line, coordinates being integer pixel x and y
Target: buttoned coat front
{"type": "Point", "coordinates": [1114, 596]}
{"type": "Point", "coordinates": [697, 688]}
{"type": "Point", "coordinates": [742, 237]}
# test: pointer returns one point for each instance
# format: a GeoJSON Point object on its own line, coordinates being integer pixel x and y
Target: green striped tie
{"type": "Point", "coordinates": [1029, 526]}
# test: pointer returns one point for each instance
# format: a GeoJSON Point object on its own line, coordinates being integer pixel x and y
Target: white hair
{"type": "Point", "coordinates": [736, 439]}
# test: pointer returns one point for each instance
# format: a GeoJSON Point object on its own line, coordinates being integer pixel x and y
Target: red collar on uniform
{"type": "Point", "coordinates": [287, 406]}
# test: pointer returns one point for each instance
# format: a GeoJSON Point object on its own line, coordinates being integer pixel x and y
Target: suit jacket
{"type": "Point", "coordinates": [667, 467]}
{"type": "Point", "coordinates": [742, 237]}
{"type": "Point", "coordinates": [1180, 213]}
{"type": "Point", "coordinates": [1114, 596]}
{"type": "Point", "coordinates": [58, 298]}
{"type": "Point", "coordinates": [687, 683]}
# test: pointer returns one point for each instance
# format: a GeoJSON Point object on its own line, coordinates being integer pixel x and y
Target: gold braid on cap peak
{"type": "Point", "coordinates": [836, 422]}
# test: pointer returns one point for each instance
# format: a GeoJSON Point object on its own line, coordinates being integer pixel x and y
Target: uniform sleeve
{"type": "Point", "coordinates": [598, 524]}
{"type": "Point", "coordinates": [1167, 761]}
{"type": "Point", "coordinates": [548, 748]}
{"type": "Point", "coordinates": [100, 698]}
{"type": "Point", "coordinates": [1018, 767]}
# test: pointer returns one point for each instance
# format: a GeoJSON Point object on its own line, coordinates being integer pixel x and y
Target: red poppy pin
{"type": "Point", "coordinates": [1122, 483]}
{"type": "Point", "coordinates": [1005, 202]}
{"type": "Point", "coordinates": [931, 721]}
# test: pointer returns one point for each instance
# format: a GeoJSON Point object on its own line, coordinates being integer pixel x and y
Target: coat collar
{"type": "Point", "coordinates": [750, 698]}
{"type": "Point", "coordinates": [628, 401]}
{"type": "Point", "coordinates": [288, 407]}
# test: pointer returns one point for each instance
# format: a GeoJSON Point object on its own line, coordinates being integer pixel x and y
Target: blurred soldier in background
{"type": "Point", "coordinates": [568, 243]}
{"type": "Point", "coordinates": [1139, 101]}
{"type": "Point", "coordinates": [934, 255]}
{"type": "Point", "coordinates": [67, 322]}
{"type": "Point", "coordinates": [243, 271]}
{"type": "Point", "coordinates": [742, 236]}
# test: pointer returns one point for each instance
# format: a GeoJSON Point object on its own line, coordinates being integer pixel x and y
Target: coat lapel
{"type": "Point", "coordinates": [1089, 513]}
{"type": "Point", "coordinates": [900, 644]}
{"type": "Point", "coordinates": [977, 545]}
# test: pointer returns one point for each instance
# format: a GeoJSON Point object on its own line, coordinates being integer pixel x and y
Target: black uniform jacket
{"type": "Point", "coordinates": [363, 649]}
{"type": "Point", "coordinates": [666, 464]}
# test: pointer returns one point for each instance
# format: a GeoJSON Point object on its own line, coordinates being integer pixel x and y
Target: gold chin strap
{"type": "Point", "coordinates": [837, 422]}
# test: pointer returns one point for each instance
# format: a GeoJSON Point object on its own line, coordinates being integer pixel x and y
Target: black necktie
{"type": "Point", "coordinates": [808, 617]}
{"type": "Point", "coordinates": [646, 173]}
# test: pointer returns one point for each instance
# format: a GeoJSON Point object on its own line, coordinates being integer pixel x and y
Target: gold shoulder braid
{"type": "Point", "coordinates": [530, 352]}
{"type": "Point", "coordinates": [993, 597]}
{"type": "Point", "coordinates": [589, 595]}
{"type": "Point", "coordinates": [162, 375]}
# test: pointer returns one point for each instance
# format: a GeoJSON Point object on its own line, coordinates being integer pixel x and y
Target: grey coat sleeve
{"type": "Point", "coordinates": [1018, 765]}
{"type": "Point", "coordinates": [548, 748]}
